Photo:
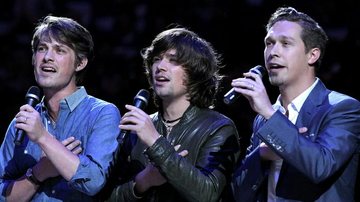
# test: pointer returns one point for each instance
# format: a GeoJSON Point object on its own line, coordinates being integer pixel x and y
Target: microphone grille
{"type": "Point", "coordinates": [33, 92]}
{"type": "Point", "coordinates": [258, 69]}
{"type": "Point", "coordinates": [142, 95]}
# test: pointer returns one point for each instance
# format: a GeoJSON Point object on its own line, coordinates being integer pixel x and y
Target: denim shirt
{"type": "Point", "coordinates": [92, 121]}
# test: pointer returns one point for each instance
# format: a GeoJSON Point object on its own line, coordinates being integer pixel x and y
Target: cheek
{"type": "Point", "coordinates": [37, 59]}
{"type": "Point", "coordinates": [265, 52]}
{"type": "Point", "coordinates": [183, 82]}
{"type": "Point", "coordinates": [66, 62]}
{"type": "Point", "coordinates": [295, 59]}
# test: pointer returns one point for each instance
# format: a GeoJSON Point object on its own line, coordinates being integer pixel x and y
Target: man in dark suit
{"type": "Point", "coordinates": [306, 146]}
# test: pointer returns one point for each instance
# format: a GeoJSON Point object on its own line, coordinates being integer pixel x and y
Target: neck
{"type": "Point", "coordinates": [174, 110]}
{"type": "Point", "coordinates": [290, 92]}
{"type": "Point", "coordinates": [53, 98]}
{"type": "Point", "coordinates": [171, 121]}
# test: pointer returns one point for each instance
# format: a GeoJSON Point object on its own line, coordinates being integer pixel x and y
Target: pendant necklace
{"type": "Point", "coordinates": [169, 124]}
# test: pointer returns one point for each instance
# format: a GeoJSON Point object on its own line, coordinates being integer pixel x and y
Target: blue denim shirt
{"type": "Point", "coordinates": [92, 121]}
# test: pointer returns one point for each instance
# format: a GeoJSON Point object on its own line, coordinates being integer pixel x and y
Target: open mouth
{"type": "Point", "coordinates": [161, 79]}
{"type": "Point", "coordinates": [274, 66]}
{"type": "Point", "coordinates": [47, 69]}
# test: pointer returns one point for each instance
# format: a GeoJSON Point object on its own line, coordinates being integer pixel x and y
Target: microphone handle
{"type": "Point", "coordinates": [121, 137]}
{"type": "Point", "coordinates": [230, 96]}
{"type": "Point", "coordinates": [19, 136]}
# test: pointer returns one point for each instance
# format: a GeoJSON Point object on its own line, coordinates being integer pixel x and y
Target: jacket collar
{"type": "Point", "coordinates": [311, 104]}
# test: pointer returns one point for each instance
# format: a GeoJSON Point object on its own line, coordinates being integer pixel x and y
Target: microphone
{"type": "Point", "coordinates": [32, 98]}
{"type": "Point", "coordinates": [232, 95]}
{"type": "Point", "coordinates": [140, 101]}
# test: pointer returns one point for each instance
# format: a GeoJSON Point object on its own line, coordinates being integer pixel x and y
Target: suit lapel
{"type": "Point", "coordinates": [311, 105]}
{"type": "Point", "coordinates": [289, 188]}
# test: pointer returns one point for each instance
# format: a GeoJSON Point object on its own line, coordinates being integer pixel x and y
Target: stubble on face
{"type": "Point", "coordinates": [54, 65]}
{"type": "Point", "coordinates": [169, 76]}
{"type": "Point", "coordinates": [284, 53]}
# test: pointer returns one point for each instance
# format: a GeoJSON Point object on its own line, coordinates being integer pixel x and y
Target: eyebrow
{"type": "Point", "coordinates": [282, 37]}
{"type": "Point", "coordinates": [287, 38]}
{"type": "Point", "coordinates": [57, 44]}
{"type": "Point", "coordinates": [169, 55]}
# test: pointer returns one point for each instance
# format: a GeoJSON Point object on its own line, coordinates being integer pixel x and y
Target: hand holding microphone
{"type": "Point", "coordinates": [32, 98]}
{"type": "Point", "coordinates": [254, 90]}
{"type": "Point", "coordinates": [232, 95]}
{"type": "Point", "coordinates": [140, 101]}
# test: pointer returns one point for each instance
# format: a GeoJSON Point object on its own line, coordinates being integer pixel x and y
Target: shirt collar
{"type": "Point", "coordinates": [74, 99]}
{"type": "Point", "coordinates": [298, 102]}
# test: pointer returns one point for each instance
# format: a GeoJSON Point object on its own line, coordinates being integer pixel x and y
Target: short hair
{"type": "Point", "coordinates": [69, 32]}
{"type": "Point", "coordinates": [200, 61]}
{"type": "Point", "coordinates": [312, 34]}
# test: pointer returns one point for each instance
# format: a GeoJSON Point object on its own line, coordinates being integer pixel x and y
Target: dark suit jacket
{"type": "Point", "coordinates": [320, 165]}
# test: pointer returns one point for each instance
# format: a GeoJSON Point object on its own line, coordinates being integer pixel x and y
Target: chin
{"type": "Point", "coordinates": [275, 81]}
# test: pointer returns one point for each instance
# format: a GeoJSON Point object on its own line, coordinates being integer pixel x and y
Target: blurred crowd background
{"type": "Point", "coordinates": [121, 28]}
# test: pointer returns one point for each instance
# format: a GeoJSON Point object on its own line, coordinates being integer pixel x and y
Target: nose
{"type": "Point", "coordinates": [48, 56]}
{"type": "Point", "coordinates": [274, 50]}
{"type": "Point", "coordinates": [161, 65]}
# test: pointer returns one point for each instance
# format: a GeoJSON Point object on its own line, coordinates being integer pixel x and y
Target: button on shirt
{"type": "Point", "coordinates": [292, 113]}
{"type": "Point", "coordinates": [92, 121]}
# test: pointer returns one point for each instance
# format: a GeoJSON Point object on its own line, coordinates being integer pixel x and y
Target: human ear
{"type": "Point", "coordinates": [82, 64]}
{"type": "Point", "coordinates": [313, 55]}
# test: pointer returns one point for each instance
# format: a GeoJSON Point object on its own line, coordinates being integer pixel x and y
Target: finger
{"type": "Point", "coordinates": [128, 127]}
{"type": "Point", "coordinates": [303, 130]}
{"type": "Point", "coordinates": [130, 107]}
{"type": "Point", "coordinates": [68, 140]}
{"type": "Point", "coordinates": [135, 110]}
{"type": "Point", "coordinates": [73, 145]}
{"type": "Point", "coordinates": [130, 117]}
{"type": "Point", "coordinates": [126, 119]}
{"type": "Point", "coordinates": [263, 145]}
{"type": "Point", "coordinates": [77, 150]}
{"type": "Point", "coordinates": [256, 78]}
{"type": "Point", "coordinates": [244, 83]}
{"type": "Point", "coordinates": [27, 108]}
{"type": "Point", "coordinates": [43, 154]}
{"type": "Point", "coordinates": [253, 75]}
{"type": "Point", "coordinates": [177, 147]}
{"type": "Point", "coordinates": [129, 124]}
{"type": "Point", "coordinates": [21, 119]}
{"type": "Point", "coordinates": [183, 153]}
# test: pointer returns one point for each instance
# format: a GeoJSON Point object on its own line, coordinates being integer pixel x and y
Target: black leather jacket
{"type": "Point", "coordinates": [203, 175]}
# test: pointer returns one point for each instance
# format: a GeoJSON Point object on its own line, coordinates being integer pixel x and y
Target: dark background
{"type": "Point", "coordinates": [121, 28]}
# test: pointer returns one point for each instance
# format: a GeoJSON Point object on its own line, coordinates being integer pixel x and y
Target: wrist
{"type": "Point", "coordinates": [269, 114]}
{"type": "Point", "coordinates": [136, 193]}
{"type": "Point", "coordinates": [152, 141]}
{"type": "Point", "coordinates": [32, 178]}
{"type": "Point", "coordinates": [140, 186]}
{"type": "Point", "coordinates": [43, 139]}
{"type": "Point", "coordinates": [37, 173]}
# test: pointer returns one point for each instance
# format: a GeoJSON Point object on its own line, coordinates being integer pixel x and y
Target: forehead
{"type": "Point", "coordinates": [285, 29]}
{"type": "Point", "coordinates": [46, 38]}
{"type": "Point", "coordinates": [50, 41]}
{"type": "Point", "coordinates": [170, 52]}
{"type": "Point", "coordinates": [47, 35]}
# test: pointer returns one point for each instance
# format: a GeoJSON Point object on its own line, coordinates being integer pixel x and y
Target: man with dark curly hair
{"type": "Point", "coordinates": [186, 151]}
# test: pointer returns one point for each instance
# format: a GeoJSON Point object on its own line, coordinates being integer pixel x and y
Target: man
{"type": "Point", "coordinates": [306, 146]}
{"type": "Point", "coordinates": [185, 151]}
{"type": "Point", "coordinates": [70, 134]}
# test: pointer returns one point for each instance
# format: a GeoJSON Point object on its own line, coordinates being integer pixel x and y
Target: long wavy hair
{"type": "Point", "coordinates": [200, 62]}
